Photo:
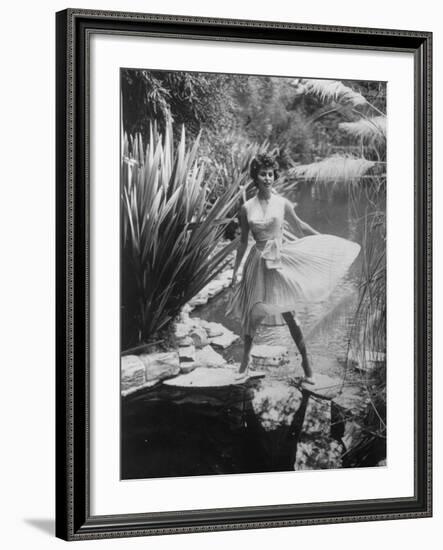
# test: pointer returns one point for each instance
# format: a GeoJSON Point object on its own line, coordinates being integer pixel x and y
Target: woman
{"type": "Point", "coordinates": [278, 274]}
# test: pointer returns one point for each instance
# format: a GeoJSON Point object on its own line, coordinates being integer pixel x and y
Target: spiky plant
{"type": "Point", "coordinates": [170, 232]}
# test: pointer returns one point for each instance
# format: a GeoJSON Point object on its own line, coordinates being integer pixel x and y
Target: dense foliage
{"type": "Point", "coordinates": [170, 231]}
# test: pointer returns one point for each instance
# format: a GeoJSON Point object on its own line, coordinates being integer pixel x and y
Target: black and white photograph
{"type": "Point", "coordinates": [252, 273]}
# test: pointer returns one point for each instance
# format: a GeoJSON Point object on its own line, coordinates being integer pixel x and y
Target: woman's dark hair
{"type": "Point", "coordinates": [263, 161]}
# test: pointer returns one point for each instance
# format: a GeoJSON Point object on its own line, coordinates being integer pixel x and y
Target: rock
{"type": "Point", "coordinates": [159, 366]}
{"type": "Point", "coordinates": [275, 404]}
{"type": "Point", "coordinates": [132, 372]}
{"type": "Point", "coordinates": [214, 288]}
{"type": "Point", "coordinates": [225, 340]}
{"type": "Point", "coordinates": [319, 454]}
{"type": "Point", "coordinates": [204, 377]}
{"type": "Point", "coordinates": [212, 329]}
{"type": "Point", "coordinates": [184, 314]}
{"type": "Point", "coordinates": [208, 357]}
{"type": "Point", "coordinates": [317, 417]}
{"type": "Point", "coordinates": [186, 354]}
{"type": "Point", "coordinates": [199, 337]}
{"type": "Point", "coordinates": [269, 356]}
{"type": "Point", "coordinates": [185, 341]}
{"type": "Point", "coordinates": [182, 329]}
{"type": "Point", "coordinates": [185, 368]}
{"type": "Point", "coordinates": [199, 300]}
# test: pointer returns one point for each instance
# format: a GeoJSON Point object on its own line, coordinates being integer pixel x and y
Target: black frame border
{"type": "Point", "coordinates": [73, 30]}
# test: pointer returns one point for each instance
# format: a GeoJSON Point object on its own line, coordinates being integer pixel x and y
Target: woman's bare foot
{"type": "Point", "coordinates": [243, 372]}
{"type": "Point", "coordinates": [308, 379]}
{"type": "Point", "coordinates": [307, 370]}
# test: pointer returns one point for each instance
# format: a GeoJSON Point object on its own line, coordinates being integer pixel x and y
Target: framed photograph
{"type": "Point", "coordinates": [243, 274]}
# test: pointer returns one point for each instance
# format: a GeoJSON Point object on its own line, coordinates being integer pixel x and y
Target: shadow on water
{"type": "Point", "coordinates": [172, 432]}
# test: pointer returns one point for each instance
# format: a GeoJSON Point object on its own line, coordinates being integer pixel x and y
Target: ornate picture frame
{"type": "Point", "coordinates": [75, 519]}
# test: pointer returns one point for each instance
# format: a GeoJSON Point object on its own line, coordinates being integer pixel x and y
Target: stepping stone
{"type": "Point", "coordinates": [325, 387]}
{"type": "Point", "coordinates": [270, 356]}
{"type": "Point", "coordinates": [206, 377]}
{"type": "Point", "coordinates": [208, 357]}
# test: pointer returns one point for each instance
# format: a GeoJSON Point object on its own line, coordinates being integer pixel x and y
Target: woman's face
{"type": "Point", "coordinates": [265, 180]}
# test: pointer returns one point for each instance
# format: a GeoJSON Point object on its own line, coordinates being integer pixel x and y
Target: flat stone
{"type": "Point", "coordinates": [161, 365]}
{"type": "Point", "coordinates": [325, 387]}
{"type": "Point", "coordinates": [270, 356]}
{"type": "Point", "coordinates": [208, 357]}
{"type": "Point", "coordinates": [225, 340]}
{"type": "Point", "coordinates": [206, 377]}
{"type": "Point", "coordinates": [132, 372]}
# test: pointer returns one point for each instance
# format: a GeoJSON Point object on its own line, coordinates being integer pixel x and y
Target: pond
{"type": "Point", "coordinates": [174, 432]}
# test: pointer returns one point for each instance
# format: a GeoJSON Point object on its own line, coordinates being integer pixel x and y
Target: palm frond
{"type": "Point", "coordinates": [333, 169]}
{"type": "Point", "coordinates": [369, 129]}
{"type": "Point", "coordinates": [328, 90]}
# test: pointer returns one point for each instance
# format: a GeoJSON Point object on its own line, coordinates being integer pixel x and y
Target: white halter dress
{"type": "Point", "coordinates": [279, 274]}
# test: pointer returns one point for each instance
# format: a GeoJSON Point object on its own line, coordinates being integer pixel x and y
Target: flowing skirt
{"type": "Point", "coordinates": [309, 270]}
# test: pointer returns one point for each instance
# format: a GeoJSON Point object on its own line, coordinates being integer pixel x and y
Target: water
{"type": "Point", "coordinates": [173, 432]}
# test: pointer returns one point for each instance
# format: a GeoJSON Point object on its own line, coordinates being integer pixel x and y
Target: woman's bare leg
{"type": "Point", "coordinates": [247, 346]}
{"type": "Point", "coordinates": [297, 336]}
{"type": "Point", "coordinates": [258, 313]}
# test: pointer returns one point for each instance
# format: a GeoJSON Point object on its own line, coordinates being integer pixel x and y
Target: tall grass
{"type": "Point", "coordinates": [170, 231]}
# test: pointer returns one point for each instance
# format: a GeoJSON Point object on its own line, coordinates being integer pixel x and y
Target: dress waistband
{"type": "Point", "coordinates": [270, 252]}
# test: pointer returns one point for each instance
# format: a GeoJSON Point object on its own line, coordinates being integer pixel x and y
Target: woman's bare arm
{"type": "Point", "coordinates": [294, 220]}
{"type": "Point", "coordinates": [243, 245]}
